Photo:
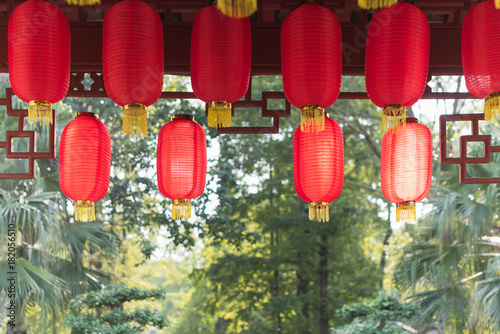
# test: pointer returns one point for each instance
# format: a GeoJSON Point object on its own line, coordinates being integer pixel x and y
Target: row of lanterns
{"type": "Point", "coordinates": [396, 72]}
{"type": "Point", "coordinates": [397, 59]}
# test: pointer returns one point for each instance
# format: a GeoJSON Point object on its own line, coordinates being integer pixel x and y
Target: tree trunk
{"type": "Point", "coordinates": [323, 286]}
{"type": "Point", "coordinates": [388, 235]}
{"type": "Point", "coordinates": [302, 290]}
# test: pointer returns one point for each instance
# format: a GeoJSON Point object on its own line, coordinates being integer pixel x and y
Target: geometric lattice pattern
{"type": "Point", "coordinates": [463, 160]}
{"type": "Point", "coordinates": [32, 155]}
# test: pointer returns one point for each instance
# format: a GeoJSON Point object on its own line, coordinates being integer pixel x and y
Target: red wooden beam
{"type": "Point", "coordinates": [86, 48]}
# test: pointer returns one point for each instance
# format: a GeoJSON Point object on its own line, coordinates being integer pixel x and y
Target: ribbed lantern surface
{"type": "Point", "coordinates": [181, 163]}
{"type": "Point", "coordinates": [397, 60]}
{"type": "Point", "coordinates": [480, 55]}
{"type": "Point", "coordinates": [311, 62]}
{"type": "Point", "coordinates": [318, 167]}
{"type": "Point", "coordinates": [133, 60]}
{"type": "Point", "coordinates": [39, 56]}
{"type": "Point", "coordinates": [221, 51]}
{"type": "Point", "coordinates": [406, 167]}
{"type": "Point", "coordinates": [85, 163]}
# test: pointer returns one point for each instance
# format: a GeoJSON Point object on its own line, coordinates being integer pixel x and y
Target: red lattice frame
{"type": "Point", "coordinates": [32, 155]}
{"type": "Point", "coordinates": [463, 160]}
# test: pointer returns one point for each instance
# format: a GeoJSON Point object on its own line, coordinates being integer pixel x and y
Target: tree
{"type": "Point", "coordinates": [51, 255]}
{"type": "Point", "coordinates": [380, 315]}
{"type": "Point", "coordinates": [273, 270]}
{"type": "Point", "coordinates": [103, 311]}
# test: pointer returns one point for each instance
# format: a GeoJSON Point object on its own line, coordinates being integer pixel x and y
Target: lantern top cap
{"type": "Point", "coordinates": [411, 120]}
{"type": "Point", "coordinates": [86, 113]}
{"type": "Point", "coordinates": [181, 116]}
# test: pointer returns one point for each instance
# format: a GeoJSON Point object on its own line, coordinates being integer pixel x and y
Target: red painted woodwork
{"type": "Point", "coordinates": [132, 56]}
{"type": "Point", "coordinates": [33, 153]}
{"type": "Point", "coordinates": [311, 56]}
{"type": "Point", "coordinates": [406, 163]}
{"type": "Point", "coordinates": [462, 159]}
{"type": "Point", "coordinates": [318, 164]}
{"type": "Point", "coordinates": [181, 159]}
{"type": "Point", "coordinates": [85, 159]}
{"type": "Point", "coordinates": [39, 51]}
{"type": "Point", "coordinates": [397, 55]}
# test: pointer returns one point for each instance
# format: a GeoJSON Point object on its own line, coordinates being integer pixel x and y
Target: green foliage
{"type": "Point", "coordinates": [377, 316]}
{"type": "Point", "coordinates": [102, 311]}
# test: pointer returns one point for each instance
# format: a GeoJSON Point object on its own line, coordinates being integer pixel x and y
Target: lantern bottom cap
{"type": "Point", "coordinates": [492, 107]}
{"type": "Point", "coordinates": [84, 211]}
{"type": "Point", "coordinates": [406, 212]}
{"type": "Point", "coordinates": [84, 2]}
{"type": "Point", "coordinates": [375, 4]}
{"type": "Point", "coordinates": [312, 118]}
{"type": "Point", "coordinates": [237, 8]}
{"type": "Point", "coordinates": [219, 114]}
{"type": "Point", "coordinates": [39, 111]}
{"type": "Point", "coordinates": [319, 211]}
{"type": "Point", "coordinates": [181, 209]}
{"type": "Point", "coordinates": [135, 119]}
{"type": "Point", "coordinates": [394, 115]}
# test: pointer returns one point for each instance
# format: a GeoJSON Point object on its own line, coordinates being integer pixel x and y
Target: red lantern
{"type": "Point", "coordinates": [375, 4]}
{"type": "Point", "coordinates": [221, 50]}
{"type": "Point", "coordinates": [39, 56]}
{"type": "Point", "coordinates": [237, 8]}
{"type": "Point", "coordinates": [311, 61]}
{"type": "Point", "coordinates": [181, 163]}
{"type": "Point", "coordinates": [133, 60]}
{"type": "Point", "coordinates": [318, 167]}
{"type": "Point", "coordinates": [480, 50]}
{"type": "Point", "coordinates": [397, 60]}
{"type": "Point", "coordinates": [85, 163]}
{"type": "Point", "coordinates": [406, 167]}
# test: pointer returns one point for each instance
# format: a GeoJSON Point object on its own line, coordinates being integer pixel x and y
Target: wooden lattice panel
{"type": "Point", "coordinates": [33, 154]}
{"type": "Point", "coordinates": [463, 160]}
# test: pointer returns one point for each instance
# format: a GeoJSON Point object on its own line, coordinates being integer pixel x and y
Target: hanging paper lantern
{"type": "Point", "coordinates": [397, 60]}
{"type": "Point", "coordinates": [318, 167]}
{"type": "Point", "coordinates": [181, 163]}
{"type": "Point", "coordinates": [237, 8]}
{"type": "Point", "coordinates": [84, 2]}
{"type": "Point", "coordinates": [133, 60]}
{"type": "Point", "coordinates": [375, 4]}
{"type": "Point", "coordinates": [39, 56]}
{"type": "Point", "coordinates": [311, 61]}
{"type": "Point", "coordinates": [480, 50]}
{"type": "Point", "coordinates": [406, 167]}
{"type": "Point", "coordinates": [221, 50]}
{"type": "Point", "coordinates": [85, 163]}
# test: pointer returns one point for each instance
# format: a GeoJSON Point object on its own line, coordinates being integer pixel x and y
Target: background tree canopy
{"type": "Point", "coordinates": [250, 261]}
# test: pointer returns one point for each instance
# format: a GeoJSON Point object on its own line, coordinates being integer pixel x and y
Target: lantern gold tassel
{"type": "Point", "coordinates": [135, 119]}
{"type": "Point", "coordinates": [492, 107]}
{"type": "Point", "coordinates": [181, 209]}
{"type": "Point", "coordinates": [312, 118]}
{"type": "Point", "coordinates": [84, 211]}
{"type": "Point", "coordinates": [237, 8]}
{"type": "Point", "coordinates": [497, 4]}
{"type": "Point", "coordinates": [376, 4]}
{"type": "Point", "coordinates": [319, 211]}
{"type": "Point", "coordinates": [406, 212]}
{"type": "Point", "coordinates": [84, 2]}
{"type": "Point", "coordinates": [39, 111]}
{"type": "Point", "coordinates": [219, 114]}
{"type": "Point", "coordinates": [394, 115]}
